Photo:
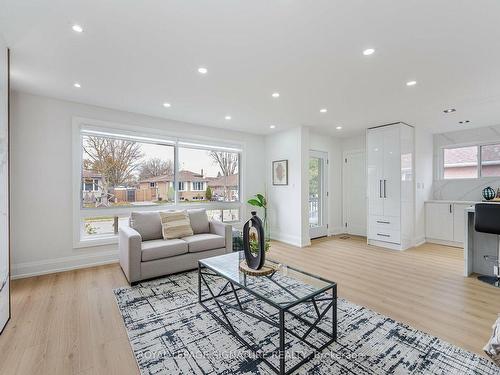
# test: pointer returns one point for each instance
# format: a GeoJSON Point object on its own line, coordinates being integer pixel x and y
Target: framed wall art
{"type": "Point", "coordinates": [280, 172]}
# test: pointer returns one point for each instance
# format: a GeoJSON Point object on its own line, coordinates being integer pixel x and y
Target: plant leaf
{"type": "Point", "coordinates": [254, 202]}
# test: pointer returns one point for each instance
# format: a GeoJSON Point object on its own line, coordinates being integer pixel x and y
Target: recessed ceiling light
{"type": "Point", "coordinates": [368, 51]}
{"type": "Point", "coordinates": [323, 110]}
{"type": "Point", "coordinates": [464, 122]}
{"type": "Point", "coordinates": [339, 128]}
{"type": "Point", "coordinates": [228, 117]}
{"type": "Point", "coordinates": [167, 105]}
{"type": "Point", "coordinates": [77, 28]}
{"type": "Point", "coordinates": [411, 83]}
{"type": "Point", "coordinates": [449, 110]}
{"type": "Point", "coordinates": [77, 85]}
{"type": "Point", "coordinates": [276, 95]}
{"type": "Point", "coordinates": [202, 70]}
{"type": "Point", "coordinates": [272, 126]}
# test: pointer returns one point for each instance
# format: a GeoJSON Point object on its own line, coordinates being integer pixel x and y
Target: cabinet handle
{"type": "Point", "coordinates": [450, 209]}
{"type": "Point", "coordinates": [383, 235]}
{"type": "Point", "coordinates": [383, 222]}
{"type": "Point", "coordinates": [380, 188]}
{"type": "Point", "coordinates": [385, 188]}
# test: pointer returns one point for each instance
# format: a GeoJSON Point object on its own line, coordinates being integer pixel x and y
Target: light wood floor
{"type": "Point", "coordinates": [68, 323]}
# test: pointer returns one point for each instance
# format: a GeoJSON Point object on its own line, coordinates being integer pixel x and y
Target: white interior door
{"type": "Point", "coordinates": [354, 193]}
{"type": "Point", "coordinates": [318, 193]}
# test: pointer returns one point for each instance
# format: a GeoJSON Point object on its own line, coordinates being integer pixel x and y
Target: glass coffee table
{"type": "Point", "coordinates": [297, 308]}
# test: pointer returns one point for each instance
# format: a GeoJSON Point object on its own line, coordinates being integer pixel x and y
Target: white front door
{"type": "Point", "coordinates": [354, 193]}
{"type": "Point", "coordinates": [318, 193]}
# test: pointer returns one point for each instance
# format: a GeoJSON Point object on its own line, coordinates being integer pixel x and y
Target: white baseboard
{"type": "Point", "coordinates": [446, 243]}
{"type": "Point", "coordinates": [335, 231]}
{"type": "Point", "coordinates": [43, 267]}
{"type": "Point", "coordinates": [286, 238]}
{"type": "Point", "coordinates": [419, 241]}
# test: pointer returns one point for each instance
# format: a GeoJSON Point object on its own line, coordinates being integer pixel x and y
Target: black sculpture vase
{"type": "Point", "coordinates": [253, 235]}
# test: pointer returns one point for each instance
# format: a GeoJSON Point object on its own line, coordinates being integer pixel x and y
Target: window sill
{"type": "Point", "coordinates": [93, 242]}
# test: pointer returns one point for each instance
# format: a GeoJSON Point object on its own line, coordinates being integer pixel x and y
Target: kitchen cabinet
{"type": "Point", "coordinates": [445, 222]}
{"type": "Point", "coordinates": [390, 188]}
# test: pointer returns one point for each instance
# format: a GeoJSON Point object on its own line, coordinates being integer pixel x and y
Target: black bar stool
{"type": "Point", "coordinates": [487, 220]}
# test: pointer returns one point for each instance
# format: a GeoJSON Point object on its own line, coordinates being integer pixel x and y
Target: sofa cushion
{"type": "Point", "coordinates": [199, 220]}
{"type": "Point", "coordinates": [159, 249]}
{"type": "Point", "coordinates": [148, 224]}
{"type": "Point", "coordinates": [175, 224]}
{"type": "Point", "coordinates": [204, 241]}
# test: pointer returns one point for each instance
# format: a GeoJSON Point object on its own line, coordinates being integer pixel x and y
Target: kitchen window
{"type": "Point", "coordinates": [471, 162]}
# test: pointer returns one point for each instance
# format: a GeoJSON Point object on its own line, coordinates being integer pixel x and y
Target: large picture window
{"type": "Point", "coordinates": [121, 173]}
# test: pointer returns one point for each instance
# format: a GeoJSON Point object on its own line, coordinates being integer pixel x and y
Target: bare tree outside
{"type": "Point", "coordinates": [227, 161]}
{"type": "Point", "coordinates": [155, 167]}
{"type": "Point", "coordinates": [116, 160]}
{"type": "Point", "coordinates": [228, 164]}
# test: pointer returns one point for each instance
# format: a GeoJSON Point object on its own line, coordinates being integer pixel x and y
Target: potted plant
{"type": "Point", "coordinates": [260, 201]}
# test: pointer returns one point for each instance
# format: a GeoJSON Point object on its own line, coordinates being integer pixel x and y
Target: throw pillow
{"type": "Point", "coordinates": [199, 220]}
{"type": "Point", "coordinates": [147, 224]}
{"type": "Point", "coordinates": [175, 224]}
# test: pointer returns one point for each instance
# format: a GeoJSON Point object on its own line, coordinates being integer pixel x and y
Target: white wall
{"type": "Point", "coordinates": [41, 162]}
{"type": "Point", "coordinates": [354, 143]}
{"type": "Point", "coordinates": [288, 204]}
{"type": "Point", "coordinates": [4, 188]}
{"type": "Point", "coordinates": [423, 179]}
{"type": "Point", "coordinates": [332, 146]}
{"type": "Point", "coordinates": [467, 190]}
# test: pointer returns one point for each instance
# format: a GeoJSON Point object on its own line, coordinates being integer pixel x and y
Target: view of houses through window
{"type": "Point", "coordinates": [471, 161]}
{"type": "Point", "coordinates": [128, 173]}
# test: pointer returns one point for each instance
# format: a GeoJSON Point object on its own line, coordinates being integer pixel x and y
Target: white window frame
{"type": "Point", "coordinates": [183, 184]}
{"type": "Point", "coordinates": [478, 145]}
{"type": "Point", "coordinates": [141, 133]}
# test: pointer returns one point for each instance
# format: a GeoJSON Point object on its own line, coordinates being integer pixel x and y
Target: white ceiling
{"type": "Point", "coordinates": [134, 55]}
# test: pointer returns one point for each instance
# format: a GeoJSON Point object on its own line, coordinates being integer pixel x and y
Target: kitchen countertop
{"type": "Point", "coordinates": [447, 201]}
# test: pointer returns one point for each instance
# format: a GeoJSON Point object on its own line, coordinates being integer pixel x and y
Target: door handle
{"type": "Point", "coordinates": [385, 188]}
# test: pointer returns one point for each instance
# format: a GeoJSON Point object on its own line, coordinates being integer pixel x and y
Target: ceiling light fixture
{"type": "Point", "coordinates": [411, 83]}
{"type": "Point", "coordinates": [167, 105]}
{"type": "Point", "coordinates": [449, 110]}
{"type": "Point", "coordinates": [368, 51]}
{"type": "Point", "coordinates": [323, 110]}
{"type": "Point", "coordinates": [272, 126]}
{"type": "Point", "coordinates": [202, 70]}
{"type": "Point", "coordinates": [228, 117]}
{"type": "Point", "coordinates": [464, 122]}
{"type": "Point", "coordinates": [77, 85]}
{"type": "Point", "coordinates": [339, 128]}
{"type": "Point", "coordinates": [77, 28]}
{"type": "Point", "coordinates": [276, 95]}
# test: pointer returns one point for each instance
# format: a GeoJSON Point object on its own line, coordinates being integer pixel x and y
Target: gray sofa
{"type": "Point", "coordinates": [144, 254]}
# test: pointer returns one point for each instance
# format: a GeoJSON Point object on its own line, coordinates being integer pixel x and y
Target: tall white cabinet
{"type": "Point", "coordinates": [391, 196]}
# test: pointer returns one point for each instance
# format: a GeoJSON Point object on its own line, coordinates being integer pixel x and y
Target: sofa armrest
{"type": "Point", "coordinates": [224, 230]}
{"type": "Point", "coordinates": [129, 243]}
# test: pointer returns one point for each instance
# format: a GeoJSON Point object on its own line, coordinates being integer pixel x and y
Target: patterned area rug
{"type": "Point", "coordinates": [171, 333]}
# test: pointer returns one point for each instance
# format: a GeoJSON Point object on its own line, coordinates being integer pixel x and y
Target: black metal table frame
{"type": "Point", "coordinates": [312, 299]}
